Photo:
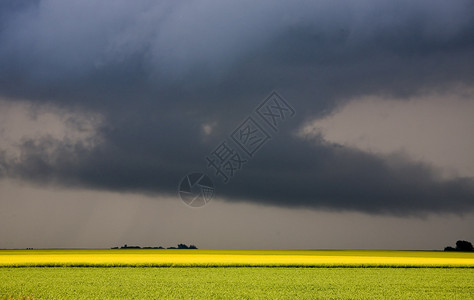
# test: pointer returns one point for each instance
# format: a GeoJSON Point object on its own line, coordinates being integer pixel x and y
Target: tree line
{"type": "Point", "coordinates": [180, 246]}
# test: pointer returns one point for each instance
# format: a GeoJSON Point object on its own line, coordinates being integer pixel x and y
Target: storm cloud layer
{"type": "Point", "coordinates": [160, 72]}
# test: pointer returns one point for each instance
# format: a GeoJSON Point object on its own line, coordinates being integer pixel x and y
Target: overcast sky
{"type": "Point", "coordinates": [106, 106]}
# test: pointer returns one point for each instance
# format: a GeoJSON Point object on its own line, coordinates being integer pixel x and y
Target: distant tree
{"type": "Point", "coordinates": [182, 246]}
{"type": "Point", "coordinates": [464, 246]}
{"type": "Point", "coordinates": [192, 247]}
{"type": "Point", "coordinates": [129, 247]}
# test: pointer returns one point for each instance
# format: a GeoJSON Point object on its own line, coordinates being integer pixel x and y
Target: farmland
{"type": "Point", "coordinates": [234, 258]}
{"type": "Point", "coordinates": [128, 283]}
{"type": "Point", "coordinates": [99, 274]}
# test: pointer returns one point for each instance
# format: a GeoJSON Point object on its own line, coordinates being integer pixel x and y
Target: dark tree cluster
{"type": "Point", "coordinates": [463, 246]}
{"type": "Point", "coordinates": [180, 246]}
{"type": "Point", "coordinates": [184, 246]}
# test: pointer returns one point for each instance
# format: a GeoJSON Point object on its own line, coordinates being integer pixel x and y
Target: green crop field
{"type": "Point", "coordinates": [241, 274]}
{"type": "Point", "coordinates": [259, 282]}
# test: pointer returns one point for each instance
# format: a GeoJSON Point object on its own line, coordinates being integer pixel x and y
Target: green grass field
{"type": "Point", "coordinates": [237, 283]}
{"type": "Point", "coordinates": [235, 274]}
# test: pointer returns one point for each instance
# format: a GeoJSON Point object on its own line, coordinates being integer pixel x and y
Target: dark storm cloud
{"type": "Point", "coordinates": [158, 71]}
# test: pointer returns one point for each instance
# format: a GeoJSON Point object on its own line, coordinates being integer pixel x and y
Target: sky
{"type": "Point", "coordinates": [105, 107]}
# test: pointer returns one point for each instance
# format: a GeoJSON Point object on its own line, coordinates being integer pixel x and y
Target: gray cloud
{"type": "Point", "coordinates": [158, 71]}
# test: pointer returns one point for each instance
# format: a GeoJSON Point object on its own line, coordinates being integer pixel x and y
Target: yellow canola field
{"type": "Point", "coordinates": [216, 258]}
